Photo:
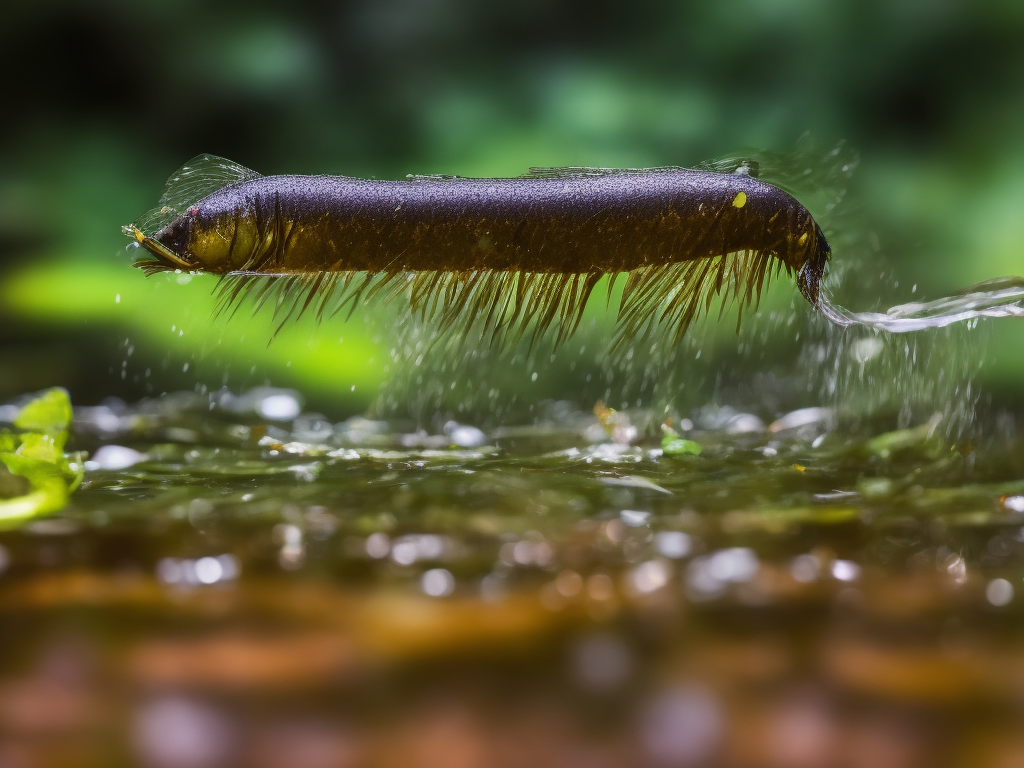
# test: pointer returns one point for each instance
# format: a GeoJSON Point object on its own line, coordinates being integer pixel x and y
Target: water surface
{"type": "Point", "coordinates": [238, 583]}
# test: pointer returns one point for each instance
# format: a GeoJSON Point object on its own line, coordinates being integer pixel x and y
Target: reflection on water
{"type": "Point", "coordinates": [999, 297]}
{"type": "Point", "coordinates": [233, 589]}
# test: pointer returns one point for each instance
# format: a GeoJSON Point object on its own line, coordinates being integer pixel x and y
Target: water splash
{"type": "Point", "coordinates": [868, 367]}
{"type": "Point", "coordinates": [999, 297]}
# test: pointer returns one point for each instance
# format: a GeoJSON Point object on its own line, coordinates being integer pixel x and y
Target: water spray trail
{"type": "Point", "coordinates": [999, 297]}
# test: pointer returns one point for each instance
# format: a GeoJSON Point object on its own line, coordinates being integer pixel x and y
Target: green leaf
{"type": "Point", "coordinates": [49, 412]}
{"type": "Point", "coordinates": [37, 454]}
{"type": "Point", "coordinates": [36, 471]}
{"type": "Point", "coordinates": [41, 447]}
{"type": "Point", "coordinates": [74, 469]}
{"type": "Point", "coordinates": [31, 505]}
{"type": "Point", "coordinates": [678, 446]}
{"type": "Point", "coordinates": [50, 490]}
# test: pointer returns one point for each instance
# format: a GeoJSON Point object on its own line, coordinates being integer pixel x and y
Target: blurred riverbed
{"type": "Point", "coordinates": [239, 582]}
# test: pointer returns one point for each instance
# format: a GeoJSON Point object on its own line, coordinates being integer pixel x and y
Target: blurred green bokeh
{"type": "Point", "coordinates": [929, 93]}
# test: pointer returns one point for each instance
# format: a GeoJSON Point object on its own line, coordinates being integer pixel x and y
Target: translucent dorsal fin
{"type": "Point", "coordinates": [580, 172]}
{"type": "Point", "coordinates": [201, 176]}
{"type": "Point", "coordinates": [739, 165]}
{"type": "Point", "coordinates": [805, 173]}
{"type": "Point", "coordinates": [433, 177]}
{"type": "Point", "coordinates": [569, 172]}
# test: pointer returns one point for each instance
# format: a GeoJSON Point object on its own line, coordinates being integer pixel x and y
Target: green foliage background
{"type": "Point", "coordinates": [104, 100]}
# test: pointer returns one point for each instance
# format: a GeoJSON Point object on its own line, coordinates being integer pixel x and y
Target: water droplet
{"type": "Point", "coordinates": [437, 582]}
{"type": "Point", "coordinates": [999, 592]}
{"type": "Point", "coordinates": [845, 570]}
{"type": "Point", "coordinates": [673, 544]}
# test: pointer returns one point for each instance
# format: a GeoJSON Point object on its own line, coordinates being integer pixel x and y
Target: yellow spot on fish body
{"type": "Point", "coordinates": [740, 200]}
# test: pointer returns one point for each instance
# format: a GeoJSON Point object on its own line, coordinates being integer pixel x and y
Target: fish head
{"type": "Point", "coordinates": [169, 245]}
{"type": "Point", "coordinates": [197, 240]}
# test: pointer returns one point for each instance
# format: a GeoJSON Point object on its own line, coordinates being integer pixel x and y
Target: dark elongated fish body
{"type": "Point", "coordinates": [457, 243]}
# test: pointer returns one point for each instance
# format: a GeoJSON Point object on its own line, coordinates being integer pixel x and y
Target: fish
{"type": "Point", "coordinates": [501, 257]}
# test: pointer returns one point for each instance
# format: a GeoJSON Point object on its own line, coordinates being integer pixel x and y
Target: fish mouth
{"type": "Point", "coordinates": [166, 259]}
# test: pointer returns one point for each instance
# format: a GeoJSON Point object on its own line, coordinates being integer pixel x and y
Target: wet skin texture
{"type": "Point", "coordinates": [613, 222]}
